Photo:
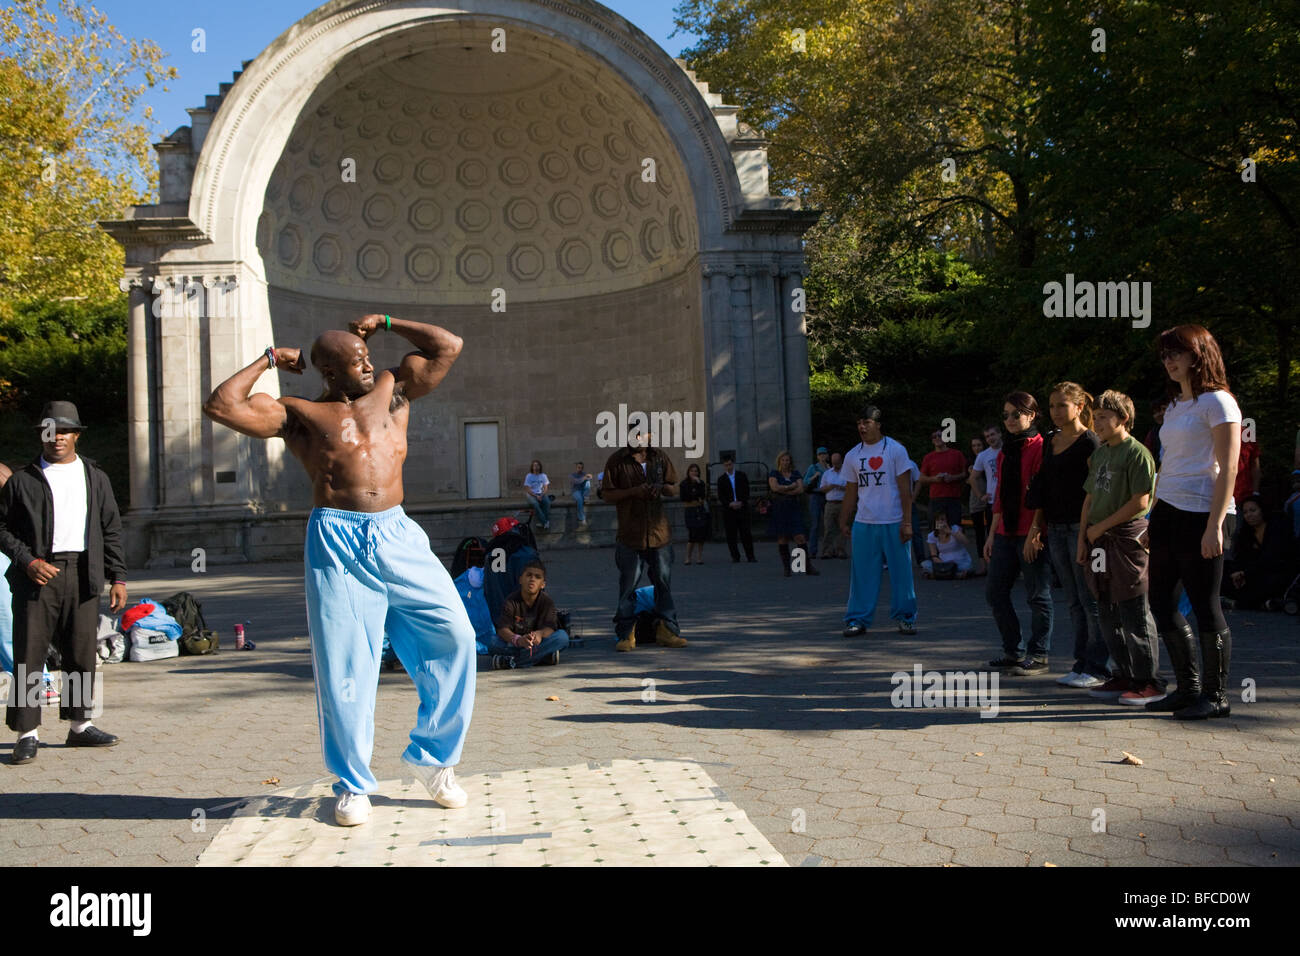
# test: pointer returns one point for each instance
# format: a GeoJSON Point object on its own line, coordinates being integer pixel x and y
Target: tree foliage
{"type": "Point", "coordinates": [72, 148]}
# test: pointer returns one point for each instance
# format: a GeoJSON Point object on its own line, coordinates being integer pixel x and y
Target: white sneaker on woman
{"type": "Point", "coordinates": [1070, 679]}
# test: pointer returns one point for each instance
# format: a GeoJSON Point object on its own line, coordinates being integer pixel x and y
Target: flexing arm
{"type": "Point", "coordinates": [421, 371]}
{"type": "Point", "coordinates": [259, 415]}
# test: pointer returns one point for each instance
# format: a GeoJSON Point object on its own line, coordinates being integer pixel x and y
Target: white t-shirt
{"type": "Point", "coordinates": [874, 469]}
{"type": "Point", "coordinates": [951, 550]}
{"type": "Point", "coordinates": [68, 482]}
{"type": "Point", "coordinates": [833, 482]}
{"type": "Point", "coordinates": [1187, 466]}
{"type": "Point", "coordinates": [535, 483]}
{"type": "Point", "coordinates": [987, 462]}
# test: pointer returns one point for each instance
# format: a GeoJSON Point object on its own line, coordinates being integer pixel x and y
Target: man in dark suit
{"type": "Point", "coordinates": [733, 495]}
{"type": "Point", "coordinates": [60, 527]}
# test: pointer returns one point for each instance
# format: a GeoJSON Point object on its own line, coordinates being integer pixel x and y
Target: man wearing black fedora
{"type": "Point", "coordinates": [60, 527]}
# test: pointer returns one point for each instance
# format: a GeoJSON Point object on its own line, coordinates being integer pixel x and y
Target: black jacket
{"type": "Point", "coordinates": [724, 488]}
{"type": "Point", "coordinates": [27, 527]}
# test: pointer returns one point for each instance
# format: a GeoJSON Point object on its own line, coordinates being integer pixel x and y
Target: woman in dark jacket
{"type": "Point", "coordinates": [695, 498]}
{"type": "Point", "coordinates": [1262, 559]}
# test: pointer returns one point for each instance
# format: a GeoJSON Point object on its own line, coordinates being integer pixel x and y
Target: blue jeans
{"type": "Point", "coordinates": [541, 507]}
{"type": "Point", "coordinates": [527, 657]}
{"type": "Point", "coordinates": [580, 499]}
{"type": "Point", "coordinates": [873, 545]}
{"type": "Point", "coordinates": [1089, 646]}
{"type": "Point", "coordinates": [1009, 563]}
{"type": "Point", "coordinates": [657, 564]}
{"type": "Point", "coordinates": [816, 509]}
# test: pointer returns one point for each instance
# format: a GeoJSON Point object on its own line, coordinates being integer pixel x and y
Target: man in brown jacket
{"type": "Point", "coordinates": [637, 478]}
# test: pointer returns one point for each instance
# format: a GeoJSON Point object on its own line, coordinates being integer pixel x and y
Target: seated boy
{"type": "Point", "coordinates": [1120, 482]}
{"type": "Point", "coordinates": [526, 627]}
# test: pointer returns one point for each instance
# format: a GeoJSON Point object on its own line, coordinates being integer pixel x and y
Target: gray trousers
{"type": "Point", "coordinates": [1130, 634]}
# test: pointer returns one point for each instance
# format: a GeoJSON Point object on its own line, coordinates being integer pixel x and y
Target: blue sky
{"type": "Point", "coordinates": [239, 30]}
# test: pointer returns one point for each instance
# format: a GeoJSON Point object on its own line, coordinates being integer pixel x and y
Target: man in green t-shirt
{"type": "Point", "coordinates": [1112, 549]}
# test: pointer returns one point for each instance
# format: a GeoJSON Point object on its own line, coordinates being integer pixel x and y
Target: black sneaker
{"type": "Point", "coordinates": [1004, 663]}
{"type": "Point", "coordinates": [1029, 667]}
{"type": "Point", "coordinates": [502, 662]}
{"type": "Point", "coordinates": [906, 627]}
{"type": "Point", "coordinates": [854, 630]}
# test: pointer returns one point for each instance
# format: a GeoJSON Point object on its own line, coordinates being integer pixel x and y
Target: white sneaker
{"type": "Point", "coordinates": [1087, 682]}
{"type": "Point", "coordinates": [442, 786]}
{"type": "Point", "coordinates": [1069, 679]}
{"type": "Point", "coordinates": [351, 809]}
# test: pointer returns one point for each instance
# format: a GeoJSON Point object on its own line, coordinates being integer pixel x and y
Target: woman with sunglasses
{"type": "Point", "coordinates": [1005, 552]}
{"type": "Point", "coordinates": [1201, 439]}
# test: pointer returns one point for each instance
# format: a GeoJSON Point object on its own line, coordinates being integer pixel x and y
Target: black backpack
{"type": "Point", "coordinates": [196, 637]}
{"type": "Point", "coordinates": [470, 553]}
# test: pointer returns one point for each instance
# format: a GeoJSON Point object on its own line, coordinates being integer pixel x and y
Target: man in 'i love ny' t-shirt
{"type": "Point", "coordinates": [878, 496]}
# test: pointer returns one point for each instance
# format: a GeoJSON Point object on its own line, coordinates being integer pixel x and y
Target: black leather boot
{"type": "Point", "coordinates": [1216, 649]}
{"type": "Point", "coordinates": [1181, 646]}
{"type": "Point", "coordinates": [785, 557]}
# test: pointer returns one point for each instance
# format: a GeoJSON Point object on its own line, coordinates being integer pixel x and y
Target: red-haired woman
{"type": "Point", "coordinates": [1005, 552]}
{"type": "Point", "coordinates": [1201, 440]}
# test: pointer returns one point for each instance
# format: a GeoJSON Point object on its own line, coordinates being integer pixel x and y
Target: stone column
{"type": "Point", "coordinates": [798, 396]}
{"type": "Point", "coordinates": [769, 369]}
{"type": "Point", "coordinates": [720, 359]}
{"type": "Point", "coordinates": [139, 434]}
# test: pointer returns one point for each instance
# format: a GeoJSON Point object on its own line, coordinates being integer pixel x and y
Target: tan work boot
{"type": "Point", "coordinates": [626, 644]}
{"type": "Point", "coordinates": [666, 638]}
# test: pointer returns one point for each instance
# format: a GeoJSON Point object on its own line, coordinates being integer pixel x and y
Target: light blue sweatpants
{"type": "Point", "coordinates": [873, 545]}
{"type": "Point", "coordinates": [367, 575]}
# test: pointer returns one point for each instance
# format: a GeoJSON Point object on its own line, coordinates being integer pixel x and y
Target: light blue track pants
{"type": "Point", "coordinates": [873, 545]}
{"type": "Point", "coordinates": [367, 575]}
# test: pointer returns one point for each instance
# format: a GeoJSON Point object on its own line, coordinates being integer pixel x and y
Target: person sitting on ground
{"type": "Point", "coordinates": [947, 545]}
{"type": "Point", "coordinates": [528, 627]}
{"type": "Point", "coordinates": [536, 486]}
{"type": "Point", "coordinates": [1262, 562]}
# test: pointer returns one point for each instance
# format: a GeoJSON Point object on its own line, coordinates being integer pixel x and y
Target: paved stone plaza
{"type": "Point", "coordinates": [770, 720]}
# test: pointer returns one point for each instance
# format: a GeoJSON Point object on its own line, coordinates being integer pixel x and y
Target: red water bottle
{"type": "Point", "coordinates": [239, 637]}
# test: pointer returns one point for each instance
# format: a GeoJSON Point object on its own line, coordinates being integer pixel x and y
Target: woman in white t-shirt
{"type": "Point", "coordinates": [1200, 440]}
{"type": "Point", "coordinates": [536, 486]}
{"type": "Point", "coordinates": [946, 545]}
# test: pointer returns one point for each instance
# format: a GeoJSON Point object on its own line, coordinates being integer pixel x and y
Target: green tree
{"type": "Point", "coordinates": [72, 148]}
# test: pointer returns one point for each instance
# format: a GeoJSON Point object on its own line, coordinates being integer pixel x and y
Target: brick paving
{"type": "Point", "coordinates": [792, 723]}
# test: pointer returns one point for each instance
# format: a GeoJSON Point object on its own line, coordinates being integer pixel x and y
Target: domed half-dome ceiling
{"type": "Point", "coordinates": [475, 171]}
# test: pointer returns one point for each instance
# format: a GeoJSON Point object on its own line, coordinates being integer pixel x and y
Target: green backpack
{"type": "Point", "coordinates": [196, 637]}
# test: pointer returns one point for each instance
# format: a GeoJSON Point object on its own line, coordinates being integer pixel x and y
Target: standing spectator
{"type": "Point", "coordinates": [1202, 444]}
{"type": "Point", "coordinates": [947, 546]}
{"type": "Point", "coordinates": [1263, 559]}
{"type": "Point", "coordinates": [60, 528]}
{"type": "Point", "coordinates": [812, 484]}
{"type": "Point", "coordinates": [695, 499]}
{"type": "Point", "coordinates": [637, 479]}
{"type": "Point", "coordinates": [979, 517]}
{"type": "Point", "coordinates": [536, 486]}
{"type": "Point", "coordinates": [1152, 440]}
{"type": "Point", "coordinates": [1249, 472]}
{"type": "Point", "coordinates": [833, 482]}
{"type": "Point", "coordinates": [733, 498]}
{"type": "Point", "coordinates": [1292, 507]}
{"type": "Point", "coordinates": [986, 465]}
{"type": "Point", "coordinates": [1005, 552]}
{"type": "Point", "coordinates": [943, 471]}
{"type": "Point", "coordinates": [786, 521]}
{"type": "Point", "coordinates": [579, 488]}
{"type": "Point", "coordinates": [1056, 495]}
{"type": "Point", "coordinates": [878, 499]}
{"type": "Point", "coordinates": [1121, 478]}
{"type": "Point", "coordinates": [528, 627]}
{"type": "Point", "coordinates": [918, 542]}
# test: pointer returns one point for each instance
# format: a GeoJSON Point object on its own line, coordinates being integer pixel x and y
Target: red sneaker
{"type": "Point", "coordinates": [1141, 696]}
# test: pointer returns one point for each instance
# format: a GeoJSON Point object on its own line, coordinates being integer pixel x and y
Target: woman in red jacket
{"type": "Point", "coordinates": [1018, 462]}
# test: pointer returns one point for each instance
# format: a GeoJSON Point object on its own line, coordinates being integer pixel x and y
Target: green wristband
{"type": "Point", "coordinates": [388, 323]}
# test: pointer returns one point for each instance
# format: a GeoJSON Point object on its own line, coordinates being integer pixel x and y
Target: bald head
{"type": "Point", "coordinates": [5, 474]}
{"type": "Point", "coordinates": [344, 362]}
